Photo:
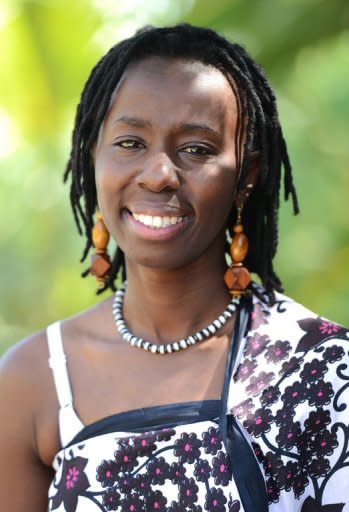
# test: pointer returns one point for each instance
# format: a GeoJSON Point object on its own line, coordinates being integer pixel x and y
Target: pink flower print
{"type": "Point", "coordinates": [71, 477]}
{"type": "Point", "coordinates": [328, 327]}
{"type": "Point", "coordinates": [317, 330]}
{"type": "Point", "coordinates": [72, 483]}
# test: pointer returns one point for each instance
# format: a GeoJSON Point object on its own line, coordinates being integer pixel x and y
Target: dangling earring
{"type": "Point", "coordinates": [100, 261]}
{"type": "Point", "coordinates": [237, 277]}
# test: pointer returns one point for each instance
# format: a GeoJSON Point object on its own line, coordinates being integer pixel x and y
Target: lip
{"type": "Point", "coordinates": [160, 233]}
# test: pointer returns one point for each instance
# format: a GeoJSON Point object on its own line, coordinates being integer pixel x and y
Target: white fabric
{"type": "Point", "coordinates": [69, 423]}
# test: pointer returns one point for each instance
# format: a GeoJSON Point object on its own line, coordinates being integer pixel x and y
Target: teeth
{"type": "Point", "coordinates": [157, 221]}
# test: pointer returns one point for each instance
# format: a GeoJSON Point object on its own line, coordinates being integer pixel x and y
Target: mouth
{"type": "Point", "coordinates": [157, 221]}
{"type": "Point", "coordinates": [156, 226]}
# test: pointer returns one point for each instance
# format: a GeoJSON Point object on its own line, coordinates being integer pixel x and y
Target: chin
{"type": "Point", "coordinates": [162, 263]}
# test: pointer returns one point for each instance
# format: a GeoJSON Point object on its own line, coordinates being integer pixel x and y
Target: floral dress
{"type": "Point", "coordinates": [277, 440]}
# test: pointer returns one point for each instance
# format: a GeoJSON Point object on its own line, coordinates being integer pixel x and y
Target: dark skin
{"type": "Point", "coordinates": [166, 148]}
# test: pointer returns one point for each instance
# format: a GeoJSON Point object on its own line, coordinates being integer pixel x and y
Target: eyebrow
{"type": "Point", "coordinates": [184, 127]}
{"type": "Point", "coordinates": [132, 121]}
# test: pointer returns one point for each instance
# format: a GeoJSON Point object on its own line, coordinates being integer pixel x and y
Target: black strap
{"type": "Point", "coordinates": [245, 468]}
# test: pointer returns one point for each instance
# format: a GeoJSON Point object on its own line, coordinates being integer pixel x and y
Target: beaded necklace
{"type": "Point", "coordinates": [167, 348]}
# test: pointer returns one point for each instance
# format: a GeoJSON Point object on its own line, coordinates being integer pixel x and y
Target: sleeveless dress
{"type": "Point", "coordinates": [277, 440]}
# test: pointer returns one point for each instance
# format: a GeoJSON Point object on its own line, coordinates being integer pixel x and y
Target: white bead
{"type": "Point", "coordinates": [183, 344]}
{"type": "Point", "coordinates": [133, 341]}
{"type": "Point", "coordinates": [162, 349]}
{"type": "Point", "coordinates": [139, 342]}
{"type": "Point", "coordinates": [217, 324]}
{"type": "Point", "coordinates": [206, 332]}
{"type": "Point", "coordinates": [212, 329]}
{"type": "Point", "coordinates": [153, 349]}
{"type": "Point", "coordinates": [191, 340]}
{"type": "Point", "coordinates": [175, 346]}
{"type": "Point", "coordinates": [222, 319]}
{"type": "Point", "coordinates": [199, 336]}
{"type": "Point", "coordinates": [146, 345]}
{"type": "Point", "coordinates": [169, 348]}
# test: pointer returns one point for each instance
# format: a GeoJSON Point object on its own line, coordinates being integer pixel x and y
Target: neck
{"type": "Point", "coordinates": [166, 305]}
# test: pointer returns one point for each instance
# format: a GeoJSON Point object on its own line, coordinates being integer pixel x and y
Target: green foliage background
{"type": "Point", "coordinates": [47, 50]}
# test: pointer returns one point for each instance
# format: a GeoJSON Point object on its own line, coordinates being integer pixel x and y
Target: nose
{"type": "Point", "coordinates": [159, 173]}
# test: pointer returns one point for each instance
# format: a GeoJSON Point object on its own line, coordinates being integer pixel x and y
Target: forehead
{"type": "Point", "coordinates": [172, 89]}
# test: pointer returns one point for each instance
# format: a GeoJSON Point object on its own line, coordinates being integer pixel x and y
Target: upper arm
{"type": "Point", "coordinates": [24, 479]}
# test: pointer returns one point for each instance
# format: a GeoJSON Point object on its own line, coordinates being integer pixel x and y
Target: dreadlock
{"type": "Point", "coordinates": [262, 132]}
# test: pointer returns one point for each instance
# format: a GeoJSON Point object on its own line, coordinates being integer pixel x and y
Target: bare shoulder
{"type": "Point", "coordinates": [18, 363]}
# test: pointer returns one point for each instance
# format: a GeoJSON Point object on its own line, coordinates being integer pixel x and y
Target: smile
{"type": "Point", "coordinates": [157, 221]}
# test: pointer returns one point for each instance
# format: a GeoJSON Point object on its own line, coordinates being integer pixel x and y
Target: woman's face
{"type": "Point", "coordinates": [165, 161]}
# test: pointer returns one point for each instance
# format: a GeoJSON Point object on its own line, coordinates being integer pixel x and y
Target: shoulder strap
{"type": "Point", "coordinates": [58, 364]}
{"type": "Point", "coordinates": [245, 468]}
{"type": "Point", "coordinates": [69, 423]}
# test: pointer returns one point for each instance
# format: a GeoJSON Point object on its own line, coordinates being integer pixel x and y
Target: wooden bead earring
{"type": "Point", "coordinates": [100, 260]}
{"type": "Point", "coordinates": [237, 277]}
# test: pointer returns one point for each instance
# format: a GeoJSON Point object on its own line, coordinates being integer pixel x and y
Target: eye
{"type": "Point", "coordinates": [129, 144]}
{"type": "Point", "coordinates": [198, 150]}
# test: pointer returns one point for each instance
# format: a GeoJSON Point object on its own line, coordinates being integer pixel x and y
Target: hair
{"type": "Point", "coordinates": [258, 128]}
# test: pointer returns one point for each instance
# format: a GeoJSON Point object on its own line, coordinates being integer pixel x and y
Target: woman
{"type": "Point", "coordinates": [192, 388]}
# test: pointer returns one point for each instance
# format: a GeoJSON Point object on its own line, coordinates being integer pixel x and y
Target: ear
{"type": "Point", "coordinates": [243, 193]}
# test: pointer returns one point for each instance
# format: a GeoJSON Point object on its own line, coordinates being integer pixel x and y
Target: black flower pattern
{"type": "Point", "coordinates": [158, 470]}
{"type": "Point", "coordinates": [215, 500]}
{"type": "Point", "coordinates": [273, 491]}
{"type": "Point", "coordinates": [132, 502]}
{"type": "Point", "coordinates": [286, 474]}
{"type": "Point", "coordinates": [187, 448]}
{"type": "Point", "coordinates": [212, 440]}
{"type": "Point", "coordinates": [125, 456]}
{"type": "Point", "coordinates": [258, 383]}
{"type": "Point", "coordinates": [188, 492]}
{"type": "Point", "coordinates": [259, 316]}
{"type": "Point", "coordinates": [300, 482]}
{"type": "Point", "coordinates": [270, 395]}
{"type": "Point", "coordinates": [317, 420]}
{"type": "Point", "coordinates": [290, 366]}
{"type": "Point", "coordinates": [259, 422]}
{"type": "Point", "coordinates": [284, 416]}
{"type": "Point", "coordinates": [277, 351]}
{"type": "Point", "coordinates": [156, 501]}
{"type": "Point", "coordinates": [256, 344]}
{"type": "Point", "coordinates": [313, 371]}
{"type": "Point", "coordinates": [202, 470]}
{"type": "Point", "coordinates": [319, 467]}
{"type": "Point", "coordinates": [294, 394]}
{"type": "Point", "coordinates": [243, 408]}
{"type": "Point", "coordinates": [142, 484]}
{"type": "Point", "coordinates": [288, 435]}
{"type": "Point", "coordinates": [320, 393]}
{"type": "Point", "coordinates": [324, 443]}
{"type": "Point", "coordinates": [165, 434]}
{"type": "Point", "coordinates": [111, 499]}
{"type": "Point", "coordinates": [106, 473]}
{"type": "Point", "coordinates": [272, 463]}
{"type": "Point", "coordinates": [176, 472]}
{"type": "Point", "coordinates": [144, 444]}
{"type": "Point", "coordinates": [333, 354]}
{"type": "Point", "coordinates": [221, 470]}
{"type": "Point", "coordinates": [246, 369]}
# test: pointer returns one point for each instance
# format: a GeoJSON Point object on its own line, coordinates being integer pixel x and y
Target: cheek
{"type": "Point", "coordinates": [218, 192]}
